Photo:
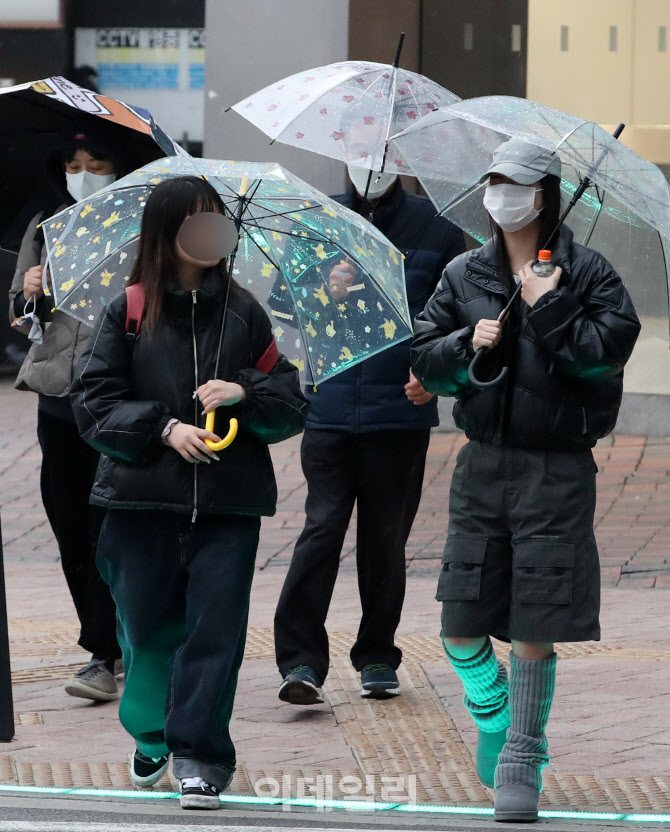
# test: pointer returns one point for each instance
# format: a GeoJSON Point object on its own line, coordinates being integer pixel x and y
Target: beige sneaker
{"type": "Point", "coordinates": [95, 681]}
{"type": "Point", "coordinates": [118, 668]}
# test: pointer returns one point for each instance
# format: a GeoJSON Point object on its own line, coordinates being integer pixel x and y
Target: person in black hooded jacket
{"type": "Point", "coordinates": [520, 561]}
{"type": "Point", "coordinates": [80, 162]}
{"type": "Point", "coordinates": [179, 540]}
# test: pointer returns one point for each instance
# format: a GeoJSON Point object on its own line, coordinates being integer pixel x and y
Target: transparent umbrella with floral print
{"type": "Point", "coordinates": [346, 110]}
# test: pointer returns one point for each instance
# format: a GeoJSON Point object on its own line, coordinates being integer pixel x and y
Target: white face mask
{"type": "Point", "coordinates": [512, 207]}
{"type": "Point", "coordinates": [379, 182]}
{"type": "Point", "coordinates": [84, 184]}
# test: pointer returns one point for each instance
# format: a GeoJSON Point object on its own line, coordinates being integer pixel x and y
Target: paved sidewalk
{"type": "Point", "coordinates": [632, 518]}
{"type": "Point", "coordinates": [610, 729]}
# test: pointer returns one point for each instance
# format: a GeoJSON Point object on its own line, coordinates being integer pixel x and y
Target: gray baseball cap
{"type": "Point", "coordinates": [523, 162]}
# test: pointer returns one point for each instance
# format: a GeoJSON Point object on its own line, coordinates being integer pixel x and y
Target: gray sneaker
{"type": "Point", "coordinates": [95, 681]}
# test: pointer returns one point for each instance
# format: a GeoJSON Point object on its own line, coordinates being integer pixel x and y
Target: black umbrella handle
{"type": "Point", "coordinates": [485, 385]}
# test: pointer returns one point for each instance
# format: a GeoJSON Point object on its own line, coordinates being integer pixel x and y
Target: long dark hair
{"type": "Point", "coordinates": [167, 207]}
{"type": "Point", "coordinates": [549, 217]}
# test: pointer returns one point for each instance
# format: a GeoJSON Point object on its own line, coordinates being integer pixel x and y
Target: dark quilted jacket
{"type": "Point", "coordinates": [565, 355]}
{"type": "Point", "coordinates": [125, 391]}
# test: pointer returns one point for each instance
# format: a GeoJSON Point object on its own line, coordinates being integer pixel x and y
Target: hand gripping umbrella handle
{"type": "Point", "coordinates": [227, 440]}
{"type": "Point", "coordinates": [484, 385]}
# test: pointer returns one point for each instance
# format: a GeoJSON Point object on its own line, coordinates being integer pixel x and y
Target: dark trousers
{"type": "Point", "coordinates": [182, 594]}
{"type": "Point", "coordinates": [67, 476]}
{"type": "Point", "coordinates": [383, 473]}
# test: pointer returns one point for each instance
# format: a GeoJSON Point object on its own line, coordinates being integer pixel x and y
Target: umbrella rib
{"type": "Point", "coordinates": [388, 126]}
{"type": "Point", "coordinates": [667, 276]}
{"type": "Point", "coordinates": [287, 213]}
{"type": "Point", "coordinates": [380, 77]}
{"type": "Point", "coordinates": [281, 271]}
{"type": "Point", "coordinates": [314, 101]}
{"type": "Point", "coordinates": [587, 239]}
{"type": "Point", "coordinates": [265, 254]}
{"type": "Point", "coordinates": [288, 234]}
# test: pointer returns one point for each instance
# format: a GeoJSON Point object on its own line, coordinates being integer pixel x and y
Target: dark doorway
{"type": "Point", "coordinates": [475, 47]}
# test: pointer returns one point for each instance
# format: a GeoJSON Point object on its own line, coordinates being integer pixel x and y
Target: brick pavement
{"type": "Point", "coordinates": [632, 517]}
{"type": "Point", "coordinates": [609, 734]}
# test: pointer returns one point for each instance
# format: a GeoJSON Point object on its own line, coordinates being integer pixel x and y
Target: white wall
{"type": "Point", "coordinates": [250, 44]}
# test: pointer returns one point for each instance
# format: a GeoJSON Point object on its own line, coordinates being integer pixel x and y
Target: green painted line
{"type": "Point", "coordinates": [355, 805]}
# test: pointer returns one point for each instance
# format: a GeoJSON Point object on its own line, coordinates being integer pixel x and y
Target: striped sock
{"type": "Point", "coordinates": [524, 755]}
{"type": "Point", "coordinates": [486, 689]}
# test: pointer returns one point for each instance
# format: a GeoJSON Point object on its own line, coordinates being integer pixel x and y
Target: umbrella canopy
{"type": "Point", "coordinates": [32, 116]}
{"type": "Point", "coordinates": [346, 110]}
{"type": "Point", "coordinates": [291, 237]}
{"type": "Point", "coordinates": [624, 214]}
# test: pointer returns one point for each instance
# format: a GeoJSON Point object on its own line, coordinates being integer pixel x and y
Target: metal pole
{"type": "Point", "coordinates": [6, 701]}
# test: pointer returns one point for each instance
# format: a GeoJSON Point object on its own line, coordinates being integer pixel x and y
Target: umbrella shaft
{"type": "Point", "coordinates": [396, 60]}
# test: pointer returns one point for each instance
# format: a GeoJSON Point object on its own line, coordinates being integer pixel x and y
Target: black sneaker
{"type": "Point", "coordinates": [379, 681]}
{"type": "Point", "coordinates": [301, 687]}
{"type": "Point", "coordinates": [196, 794]}
{"type": "Point", "coordinates": [145, 771]}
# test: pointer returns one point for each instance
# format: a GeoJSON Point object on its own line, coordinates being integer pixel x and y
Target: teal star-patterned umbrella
{"type": "Point", "coordinates": [291, 237]}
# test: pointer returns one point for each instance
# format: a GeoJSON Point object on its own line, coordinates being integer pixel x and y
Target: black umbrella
{"type": "Point", "coordinates": [35, 116]}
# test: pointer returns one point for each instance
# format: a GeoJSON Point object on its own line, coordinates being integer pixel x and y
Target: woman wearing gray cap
{"type": "Point", "coordinates": [520, 561]}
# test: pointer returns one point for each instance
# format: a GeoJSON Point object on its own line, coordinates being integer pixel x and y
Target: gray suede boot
{"type": "Point", "coordinates": [486, 693]}
{"type": "Point", "coordinates": [518, 775]}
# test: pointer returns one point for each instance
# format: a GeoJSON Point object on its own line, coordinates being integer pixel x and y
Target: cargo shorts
{"type": "Point", "coordinates": [521, 561]}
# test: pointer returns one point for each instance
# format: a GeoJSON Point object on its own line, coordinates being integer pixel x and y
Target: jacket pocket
{"type": "Point", "coordinates": [462, 562]}
{"type": "Point", "coordinates": [543, 571]}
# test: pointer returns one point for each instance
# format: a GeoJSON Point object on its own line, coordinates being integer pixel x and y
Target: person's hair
{"type": "Point", "coordinates": [549, 217]}
{"type": "Point", "coordinates": [166, 209]}
{"type": "Point", "coordinates": [97, 153]}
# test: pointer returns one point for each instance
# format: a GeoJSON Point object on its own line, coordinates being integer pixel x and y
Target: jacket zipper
{"type": "Point", "coordinates": [194, 295]}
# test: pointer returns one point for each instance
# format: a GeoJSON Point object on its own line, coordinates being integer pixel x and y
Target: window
{"type": "Point", "coordinates": [662, 38]}
{"type": "Point", "coordinates": [565, 31]}
{"type": "Point", "coordinates": [468, 37]}
{"type": "Point", "coordinates": [614, 36]}
{"type": "Point", "coordinates": [516, 37]}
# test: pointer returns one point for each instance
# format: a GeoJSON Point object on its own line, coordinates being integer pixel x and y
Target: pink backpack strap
{"type": "Point", "coordinates": [135, 301]}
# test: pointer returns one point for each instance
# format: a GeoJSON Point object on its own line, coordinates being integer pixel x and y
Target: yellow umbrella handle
{"type": "Point", "coordinates": [227, 440]}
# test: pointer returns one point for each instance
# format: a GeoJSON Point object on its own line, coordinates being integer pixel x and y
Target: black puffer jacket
{"type": "Point", "coordinates": [565, 355]}
{"type": "Point", "coordinates": [125, 392]}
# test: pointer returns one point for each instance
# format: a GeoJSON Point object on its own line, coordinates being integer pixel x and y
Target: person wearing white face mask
{"type": "Point", "coordinates": [520, 561]}
{"type": "Point", "coordinates": [79, 165]}
{"type": "Point", "coordinates": [365, 443]}
{"type": "Point", "coordinates": [90, 178]}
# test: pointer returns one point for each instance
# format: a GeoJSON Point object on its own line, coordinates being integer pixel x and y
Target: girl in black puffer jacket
{"type": "Point", "coordinates": [179, 540]}
{"type": "Point", "coordinates": [521, 561]}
